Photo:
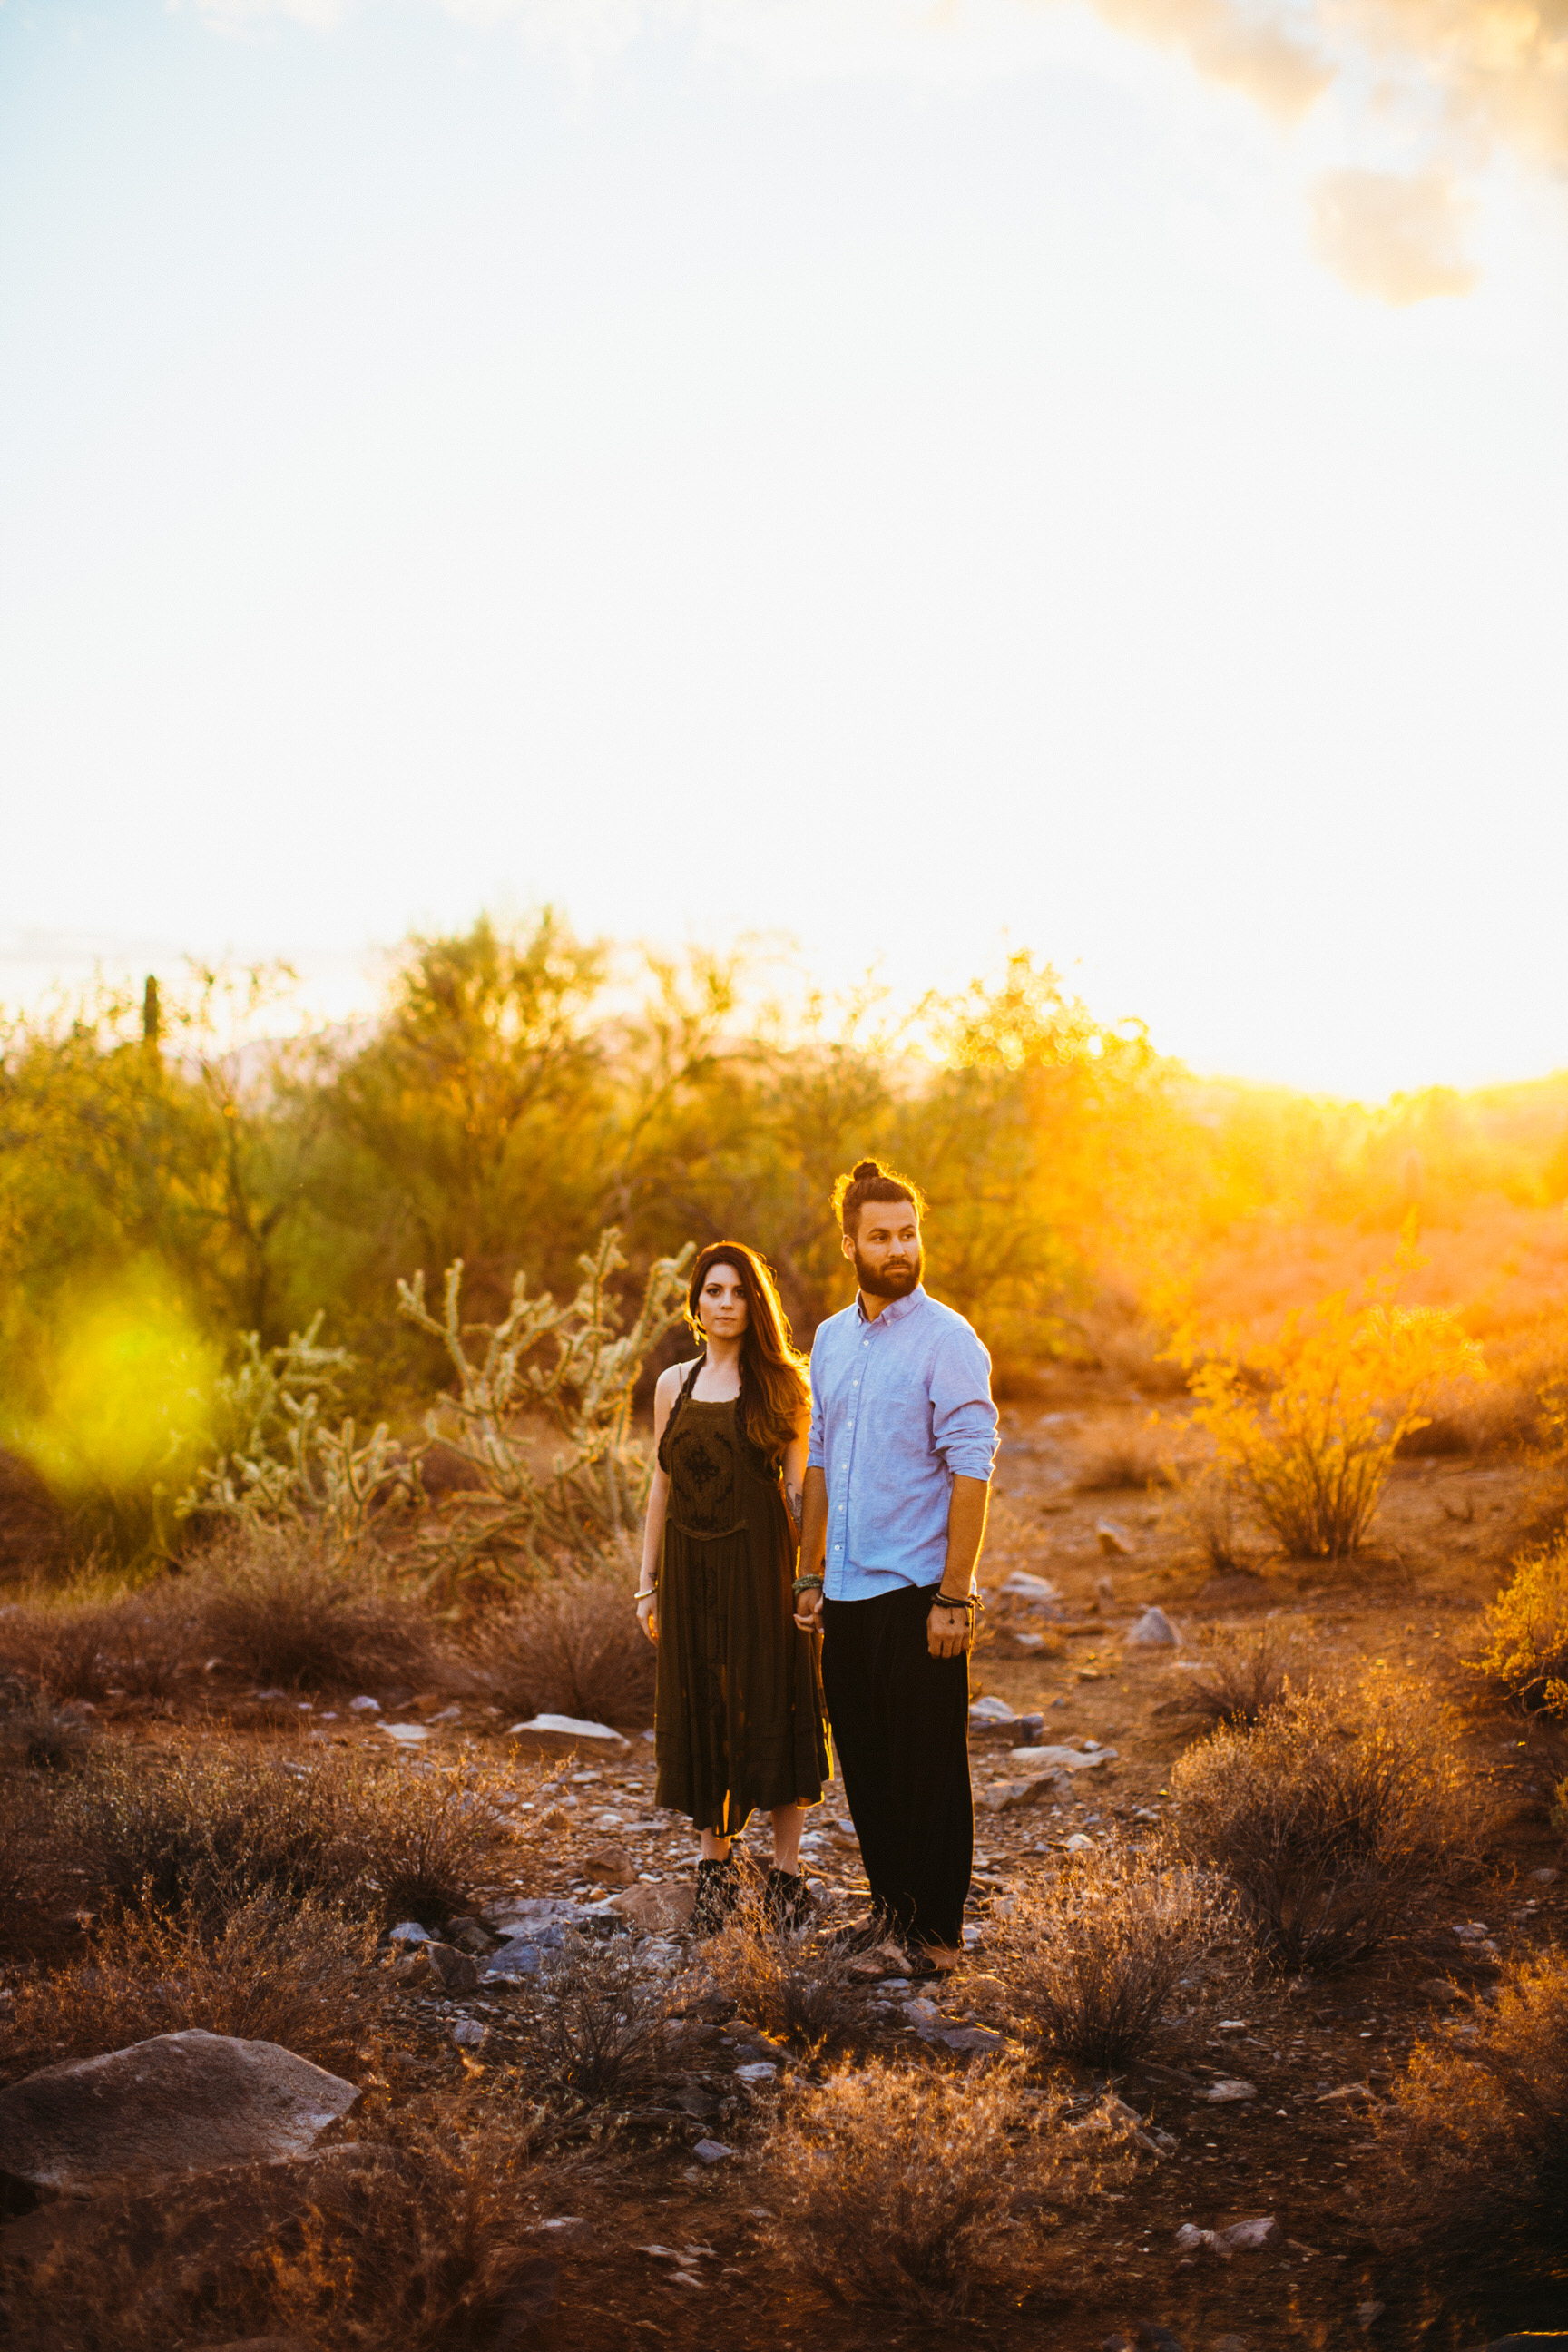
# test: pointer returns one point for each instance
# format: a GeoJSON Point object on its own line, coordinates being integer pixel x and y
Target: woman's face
{"type": "Point", "coordinates": [721, 1303]}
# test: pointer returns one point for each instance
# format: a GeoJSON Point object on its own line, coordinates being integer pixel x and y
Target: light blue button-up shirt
{"type": "Point", "coordinates": [900, 1405]}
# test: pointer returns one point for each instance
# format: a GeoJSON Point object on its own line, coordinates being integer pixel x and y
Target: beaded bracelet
{"type": "Point", "coordinates": [970, 1601]}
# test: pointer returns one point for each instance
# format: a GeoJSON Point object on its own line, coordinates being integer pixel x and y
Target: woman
{"type": "Point", "coordinates": [739, 1720]}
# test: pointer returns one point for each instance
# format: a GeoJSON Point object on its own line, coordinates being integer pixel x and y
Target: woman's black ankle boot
{"type": "Point", "coordinates": [718, 1892]}
{"type": "Point", "coordinates": [786, 1899]}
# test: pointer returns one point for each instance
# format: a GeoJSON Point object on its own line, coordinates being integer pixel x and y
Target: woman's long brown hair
{"type": "Point", "coordinates": [775, 1393]}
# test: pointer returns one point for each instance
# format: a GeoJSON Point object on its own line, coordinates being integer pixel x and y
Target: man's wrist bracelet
{"type": "Point", "coordinates": [807, 1584]}
{"type": "Point", "coordinates": [967, 1601]}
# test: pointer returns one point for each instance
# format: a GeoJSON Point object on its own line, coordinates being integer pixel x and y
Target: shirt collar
{"type": "Point", "coordinates": [896, 1309]}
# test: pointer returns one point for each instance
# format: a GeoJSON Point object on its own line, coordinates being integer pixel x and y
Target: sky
{"type": "Point", "coordinates": [903, 479]}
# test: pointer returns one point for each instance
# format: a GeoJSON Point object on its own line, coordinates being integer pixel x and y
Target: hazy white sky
{"type": "Point", "coordinates": [916, 477]}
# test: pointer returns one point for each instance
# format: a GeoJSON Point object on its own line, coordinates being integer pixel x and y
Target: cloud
{"type": "Point", "coordinates": [1400, 240]}
{"type": "Point", "coordinates": [1265, 62]}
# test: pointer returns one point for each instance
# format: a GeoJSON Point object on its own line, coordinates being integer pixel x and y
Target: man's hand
{"type": "Point", "coordinates": [808, 1610]}
{"type": "Point", "coordinates": [947, 1631]}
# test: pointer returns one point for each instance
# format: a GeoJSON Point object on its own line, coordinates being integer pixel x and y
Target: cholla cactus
{"type": "Point", "coordinates": [282, 1463]}
{"type": "Point", "coordinates": [597, 1484]}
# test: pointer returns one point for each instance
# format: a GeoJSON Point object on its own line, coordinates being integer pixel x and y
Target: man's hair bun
{"type": "Point", "coordinates": [869, 1180]}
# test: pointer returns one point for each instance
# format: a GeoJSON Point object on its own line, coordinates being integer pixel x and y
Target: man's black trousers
{"type": "Point", "coordinates": [900, 1724]}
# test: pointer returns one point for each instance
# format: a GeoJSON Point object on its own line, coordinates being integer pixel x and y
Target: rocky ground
{"type": "Point", "coordinates": [1101, 1598]}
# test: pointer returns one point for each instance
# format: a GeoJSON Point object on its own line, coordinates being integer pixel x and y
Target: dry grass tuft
{"type": "Point", "coordinates": [1092, 1959]}
{"type": "Point", "coordinates": [275, 1604]}
{"type": "Point", "coordinates": [598, 2025]}
{"type": "Point", "coordinates": [1242, 1675]}
{"type": "Point", "coordinates": [1526, 1632]}
{"type": "Point", "coordinates": [422, 2242]}
{"type": "Point", "coordinates": [188, 1829]}
{"type": "Point", "coordinates": [1478, 2125]}
{"type": "Point", "coordinates": [1332, 1816]}
{"type": "Point", "coordinates": [296, 1973]}
{"type": "Point", "coordinates": [893, 2185]}
{"type": "Point", "coordinates": [82, 1644]}
{"type": "Point", "coordinates": [798, 1986]}
{"type": "Point", "coordinates": [1133, 1461]}
{"type": "Point", "coordinates": [38, 1736]}
{"type": "Point", "coordinates": [570, 1647]}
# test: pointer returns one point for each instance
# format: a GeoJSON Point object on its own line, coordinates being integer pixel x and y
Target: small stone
{"type": "Point", "coordinates": [711, 2151]}
{"type": "Point", "coordinates": [448, 1714]}
{"type": "Point", "coordinates": [1030, 1588]}
{"type": "Point", "coordinates": [525, 1913]}
{"type": "Point", "coordinates": [1112, 1538]}
{"type": "Point", "coordinates": [1545, 1877]}
{"type": "Point", "coordinates": [409, 1931]}
{"type": "Point", "coordinates": [406, 1735]}
{"type": "Point", "coordinates": [1080, 1843]}
{"type": "Point", "coordinates": [365, 1706]}
{"type": "Point", "coordinates": [984, 1711]}
{"type": "Point", "coordinates": [1367, 2315]}
{"type": "Point", "coordinates": [1061, 1759]}
{"type": "Point", "coordinates": [1155, 1631]}
{"type": "Point", "coordinates": [611, 1865]}
{"type": "Point", "coordinates": [1347, 2091]}
{"type": "Point", "coordinates": [566, 1734]}
{"type": "Point", "coordinates": [762, 2072]}
{"type": "Point", "coordinates": [458, 1971]}
{"type": "Point", "coordinates": [469, 2033]}
{"type": "Point", "coordinates": [1104, 1590]}
{"type": "Point", "coordinates": [969, 2037]}
{"type": "Point", "coordinates": [519, 1956]}
{"type": "Point", "coordinates": [566, 2229]}
{"type": "Point", "coordinates": [1229, 2088]}
{"type": "Point", "coordinates": [662, 1910]}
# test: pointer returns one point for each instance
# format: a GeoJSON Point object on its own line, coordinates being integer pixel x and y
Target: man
{"type": "Point", "coordinates": [903, 1438]}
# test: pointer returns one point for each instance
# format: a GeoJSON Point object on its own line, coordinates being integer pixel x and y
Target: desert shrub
{"type": "Point", "coordinates": [1478, 2128]}
{"type": "Point", "coordinates": [1206, 1503]}
{"type": "Point", "coordinates": [1525, 1632]}
{"type": "Point", "coordinates": [277, 1604]}
{"type": "Point", "coordinates": [422, 2241]}
{"type": "Point", "coordinates": [799, 1986]}
{"type": "Point", "coordinates": [892, 2185]}
{"type": "Point", "coordinates": [296, 1973]}
{"type": "Point", "coordinates": [37, 1736]}
{"type": "Point", "coordinates": [1092, 1959]}
{"type": "Point", "coordinates": [572, 1646]}
{"type": "Point", "coordinates": [1131, 1461]}
{"type": "Point", "coordinates": [597, 2024]}
{"type": "Point", "coordinates": [1309, 1425]}
{"type": "Point", "coordinates": [1332, 1816]}
{"type": "Point", "coordinates": [1242, 1675]}
{"type": "Point", "coordinates": [83, 1644]}
{"type": "Point", "coordinates": [188, 1830]}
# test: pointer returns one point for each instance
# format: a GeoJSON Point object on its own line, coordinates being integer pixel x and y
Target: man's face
{"type": "Point", "coordinates": [885, 1249]}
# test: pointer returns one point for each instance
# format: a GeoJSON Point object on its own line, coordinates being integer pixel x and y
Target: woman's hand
{"type": "Point", "coordinates": [647, 1614]}
{"type": "Point", "coordinates": [808, 1609]}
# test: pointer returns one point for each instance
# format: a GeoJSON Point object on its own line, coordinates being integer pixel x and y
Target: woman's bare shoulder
{"type": "Point", "coordinates": [669, 1380]}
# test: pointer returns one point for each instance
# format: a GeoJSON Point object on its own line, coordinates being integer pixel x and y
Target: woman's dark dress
{"type": "Point", "coordinates": [739, 1724]}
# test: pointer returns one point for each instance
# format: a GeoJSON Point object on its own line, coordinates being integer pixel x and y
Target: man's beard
{"type": "Point", "coordinates": [895, 1282]}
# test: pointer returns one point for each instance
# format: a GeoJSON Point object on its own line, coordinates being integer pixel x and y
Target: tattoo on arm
{"type": "Point", "coordinates": [793, 1499]}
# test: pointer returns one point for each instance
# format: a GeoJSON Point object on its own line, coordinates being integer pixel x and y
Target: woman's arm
{"type": "Point", "coordinates": [795, 1479]}
{"type": "Point", "coordinates": [664, 1397]}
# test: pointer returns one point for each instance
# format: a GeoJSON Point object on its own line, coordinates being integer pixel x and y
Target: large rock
{"type": "Point", "coordinates": [611, 1866]}
{"type": "Point", "coordinates": [1153, 1630]}
{"type": "Point", "coordinates": [565, 1735]}
{"type": "Point", "coordinates": [163, 2110]}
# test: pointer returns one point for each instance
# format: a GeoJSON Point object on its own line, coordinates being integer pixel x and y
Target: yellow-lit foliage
{"type": "Point", "coordinates": [1339, 1387]}
{"type": "Point", "coordinates": [1526, 1632]}
{"type": "Point", "coordinates": [124, 1408]}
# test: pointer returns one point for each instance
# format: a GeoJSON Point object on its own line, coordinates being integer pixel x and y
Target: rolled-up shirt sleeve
{"type": "Point", "coordinates": [815, 1450]}
{"type": "Point", "coordinates": [963, 1419]}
